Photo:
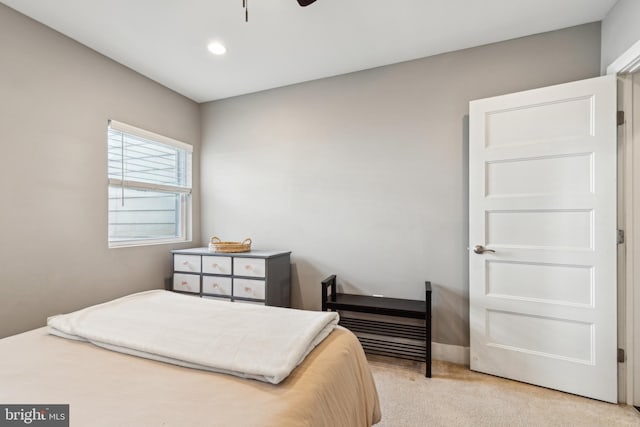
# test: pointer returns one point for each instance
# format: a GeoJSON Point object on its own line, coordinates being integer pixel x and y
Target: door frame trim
{"type": "Point", "coordinates": [628, 62]}
{"type": "Point", "coordinates": [628, 281]}
{"type": "Point", "coordinates": [626, 271]}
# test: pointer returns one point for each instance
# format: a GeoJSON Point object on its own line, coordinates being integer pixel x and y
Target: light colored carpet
{"type": "Point", "coordinates": [456, 396]}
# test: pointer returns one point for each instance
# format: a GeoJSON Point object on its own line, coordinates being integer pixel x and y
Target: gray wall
{"type": "Point", "coordinates": [620, 30]}
{"type": "Point", "coordinates": [365, 175]}
{"type": "Point", "coordinates": [55, 99]}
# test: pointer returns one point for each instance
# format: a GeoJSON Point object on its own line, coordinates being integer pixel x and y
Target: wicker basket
{"type": "Point", "coordinates": [229, 247]}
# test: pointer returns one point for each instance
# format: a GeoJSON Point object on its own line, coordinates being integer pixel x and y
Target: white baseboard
{"type": "Point", "coordinates": [450, 353]}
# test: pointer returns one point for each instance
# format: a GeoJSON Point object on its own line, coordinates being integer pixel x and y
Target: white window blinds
{"type": "Point", "coordinates": [149, 186]}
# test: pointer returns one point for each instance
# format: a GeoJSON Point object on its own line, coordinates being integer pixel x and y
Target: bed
{"type": "Point", "coordinates": [332, 386]}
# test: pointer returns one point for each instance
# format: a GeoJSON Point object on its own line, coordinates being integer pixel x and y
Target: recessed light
{"type": "Point", "coordinates": [217, 48]}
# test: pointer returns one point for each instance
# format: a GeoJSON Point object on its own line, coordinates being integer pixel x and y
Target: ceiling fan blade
{"type": "Point", "coordinates": [305, 2]}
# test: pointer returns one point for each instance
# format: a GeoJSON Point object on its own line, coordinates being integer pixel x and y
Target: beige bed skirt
{"type": "Point", "coordinates": [332, 387]}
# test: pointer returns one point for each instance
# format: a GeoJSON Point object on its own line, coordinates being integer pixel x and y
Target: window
{"type": "Point", "coordinates": [149, 187]}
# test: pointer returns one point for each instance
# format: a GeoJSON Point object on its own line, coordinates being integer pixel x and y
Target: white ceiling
{"type": "Point", "coordinates": [283, 43]}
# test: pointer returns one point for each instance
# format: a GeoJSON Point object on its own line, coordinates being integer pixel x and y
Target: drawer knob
{"type": "Point", "coordinates": [247, 289]}
{"type": "Point", "coordinates": [185, 262]}
{"type": "Point", "coordinates": [184, 283]}
{"type": "Point", "coordinates": [214, 265]}
{"type": "Point", "coordinates": [215, 285]}
{"type": "Point", "coordinates": [247, 267]}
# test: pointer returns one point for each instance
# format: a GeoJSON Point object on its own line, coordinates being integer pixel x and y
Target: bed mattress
{"type": "Point", "coordinates": [333, 386]}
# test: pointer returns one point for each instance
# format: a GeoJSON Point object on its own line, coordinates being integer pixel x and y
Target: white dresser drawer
{"type": "Point", "coordinates": [216, 265]}
{"type": "Point", "coordinates": [186, 282]}
{"type": "Point", "coordinates": [248, 288]}
{"type": "Point", "coordinates": [187, 263]}
{"type": "Point", "coordinates": [216, 285]}
{"type": "Point", "coordinates": [252, 267]}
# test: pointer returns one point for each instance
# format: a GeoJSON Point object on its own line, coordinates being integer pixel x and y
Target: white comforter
{"type": "Point", "coordinates": [251, 341]}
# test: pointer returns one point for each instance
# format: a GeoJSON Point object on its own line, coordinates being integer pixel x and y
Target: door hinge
{"type": "Point", "coordinates": [620, 237]}
{"type": "Point", "coordinates": [620, 118]}
{"type": "Point", "coordinates": [620, 355]}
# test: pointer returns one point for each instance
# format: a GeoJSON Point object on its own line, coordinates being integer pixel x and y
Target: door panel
{"type": "Point", "coordinates": [545, 336]}
{"type": "Point", "coordinates": [538, 282]}
{"type": "Point", "coordinates": [539, 123]}
{"type": "Point", "coordinates": [542, 195]}
{"type": "Point", "coordinates": [540, 228]}
{"type": "Point", "coordinates": [512, 177]}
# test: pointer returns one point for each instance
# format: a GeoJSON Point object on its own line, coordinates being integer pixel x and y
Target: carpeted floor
{"type": "Point", "coordinates": [456, 396]}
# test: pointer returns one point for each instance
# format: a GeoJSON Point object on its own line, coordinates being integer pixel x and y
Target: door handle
{"type": "Point", "coordinates": [479, 249]}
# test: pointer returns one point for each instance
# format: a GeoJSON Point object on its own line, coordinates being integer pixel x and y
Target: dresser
{"type": "Point", "coordinates": [259, 277]}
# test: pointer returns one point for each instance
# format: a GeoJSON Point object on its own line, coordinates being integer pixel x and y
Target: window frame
{"type": "Point", "coordinates": [184, 225]}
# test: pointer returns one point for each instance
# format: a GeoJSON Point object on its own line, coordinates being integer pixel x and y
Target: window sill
{"type": "Point", "coordinates": [155, 242]}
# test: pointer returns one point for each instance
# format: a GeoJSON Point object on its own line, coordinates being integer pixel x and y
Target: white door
{"type": "Point", "coordinates": [542, 195]}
